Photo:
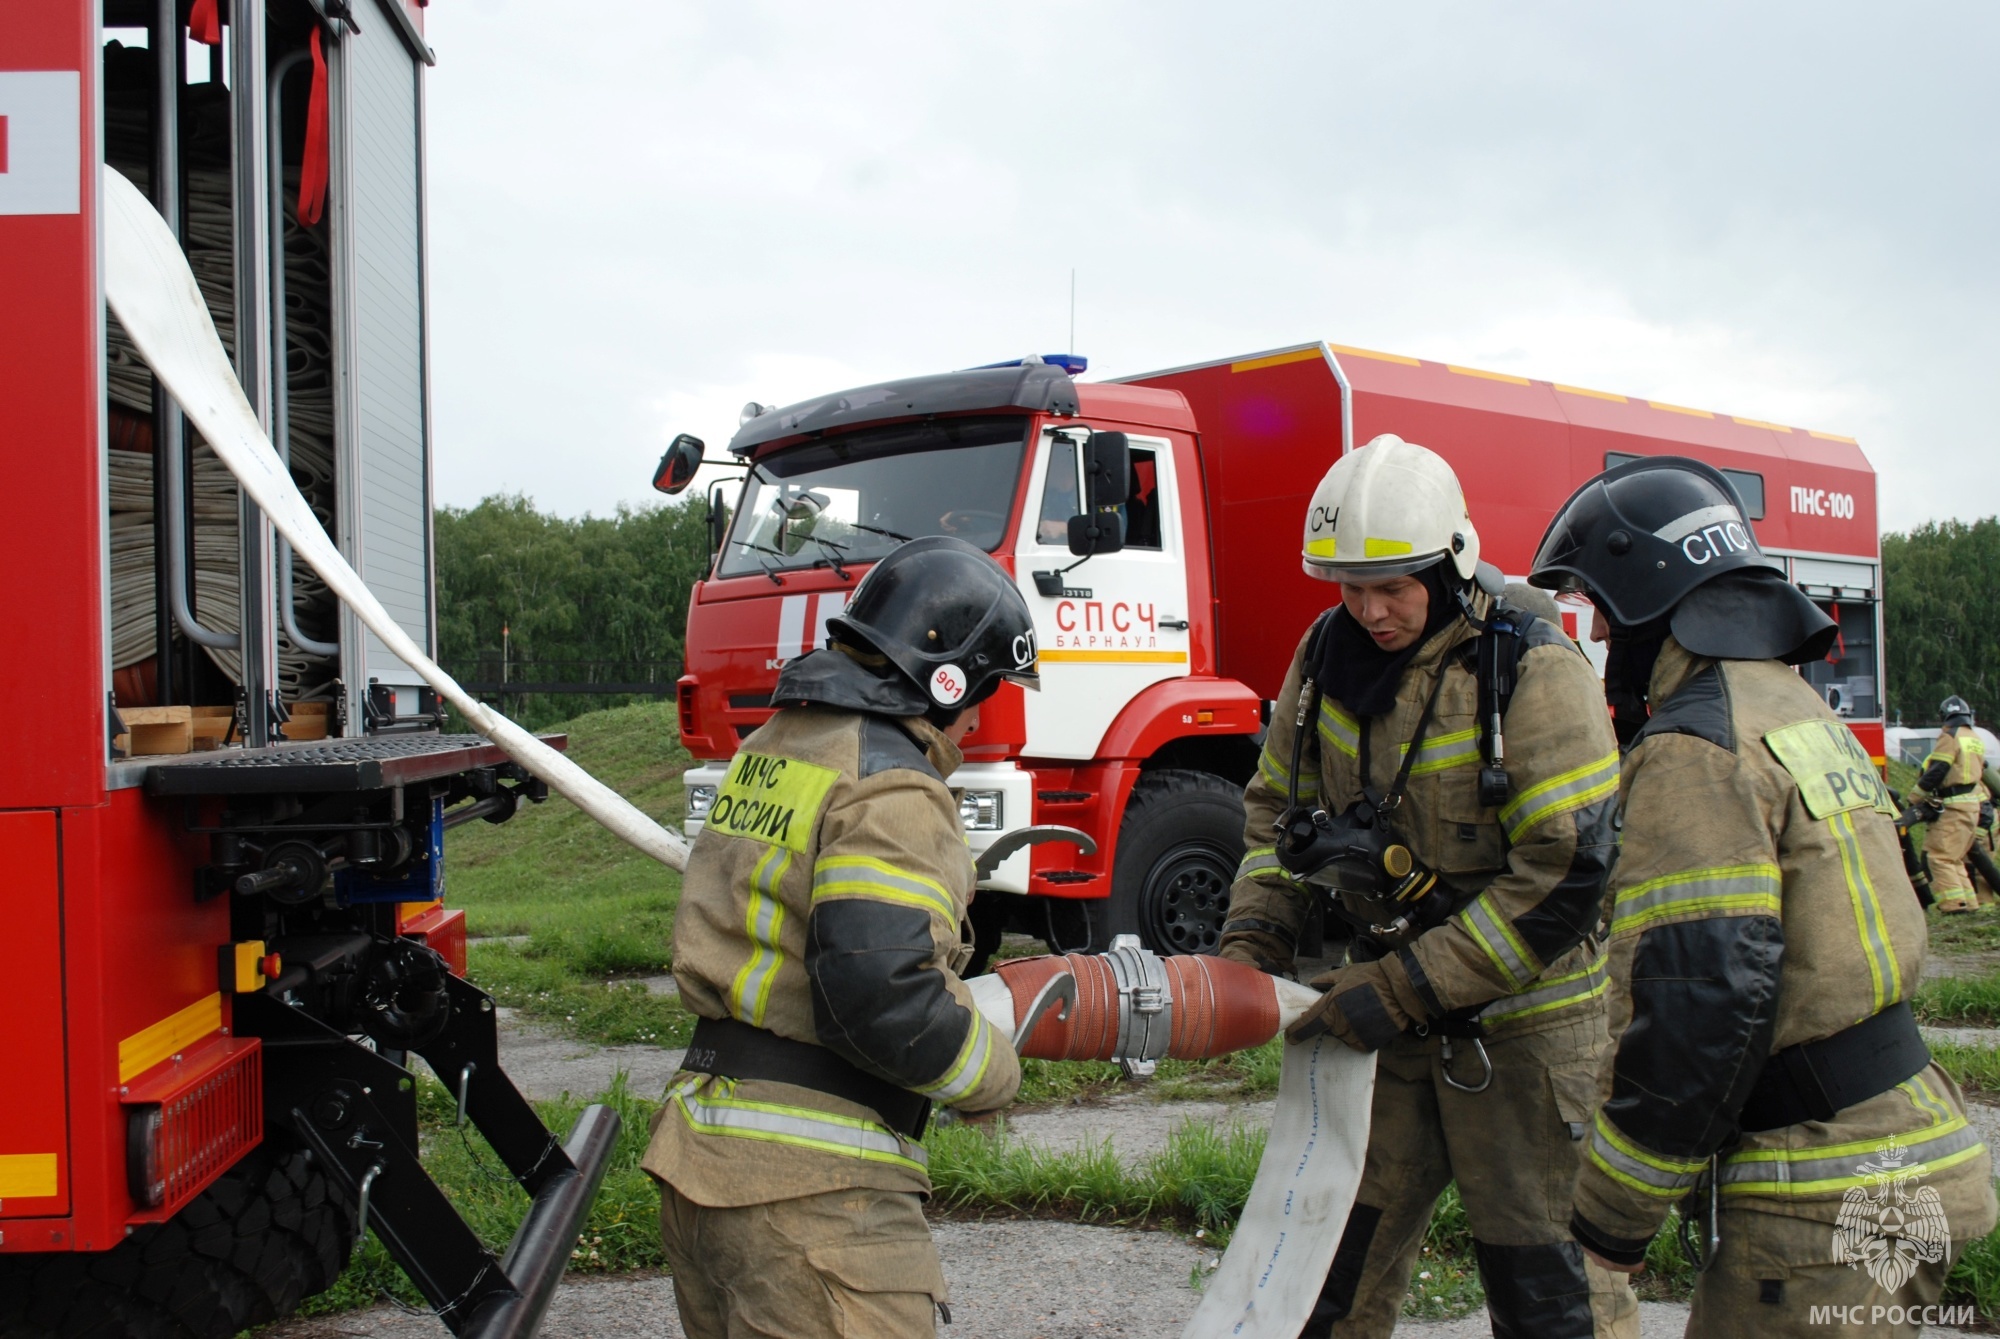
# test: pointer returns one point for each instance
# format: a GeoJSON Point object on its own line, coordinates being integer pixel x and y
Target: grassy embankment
{"type": "Point", "coordinates": [597, 916]}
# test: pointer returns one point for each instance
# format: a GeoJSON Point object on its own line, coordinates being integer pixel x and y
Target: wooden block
{"type": "Point", "coordinates": [309, 720]}
{"type": "Point", "coordinates": [155, 715]}
{"type": "Point", "coordinates": [156, 730]}
{"type": "Point", "coordinates": [211, 726]}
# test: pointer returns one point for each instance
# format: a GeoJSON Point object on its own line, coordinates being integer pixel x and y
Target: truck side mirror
{"type": "Point", "coordinates": [1107, 468]}
{"type": "Point", "coordinates": [677, 467]}
{"type": "Point", "coordinates": [1097, 532]}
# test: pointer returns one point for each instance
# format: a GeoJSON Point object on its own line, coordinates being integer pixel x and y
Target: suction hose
{"type": "Point", "coordinates": [1135, 1007]}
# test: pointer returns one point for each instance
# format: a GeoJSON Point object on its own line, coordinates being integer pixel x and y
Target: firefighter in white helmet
{"type": "Point", "coordinates": [1440, 772]}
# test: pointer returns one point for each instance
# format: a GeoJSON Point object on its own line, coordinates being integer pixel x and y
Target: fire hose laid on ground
{"type": "Point", "coordinates": [1134, 1007]}
{"type": "Point", "coordinates": [1127, 1005]}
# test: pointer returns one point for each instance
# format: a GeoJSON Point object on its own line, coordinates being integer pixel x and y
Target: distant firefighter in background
{"type": "Point", "coordinates": [1952, 778]}
{"type": "Point", "coordinates": [1985, 874]}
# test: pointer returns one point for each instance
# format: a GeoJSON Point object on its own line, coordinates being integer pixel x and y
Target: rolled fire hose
{"type": "Point", "coordinates": [149, 285]}
{"type": "Point", "coordinates": [1128, 1005]}
{"type": "Point", "coordinates": [1134, 1007]}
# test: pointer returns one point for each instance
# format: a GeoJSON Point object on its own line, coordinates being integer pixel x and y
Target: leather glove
{"type": "Point", "coordinates": [1367, 1005]}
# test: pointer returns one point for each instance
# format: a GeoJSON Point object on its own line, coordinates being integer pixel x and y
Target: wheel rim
{"type": "Point", "coordinates": [1186, 898]}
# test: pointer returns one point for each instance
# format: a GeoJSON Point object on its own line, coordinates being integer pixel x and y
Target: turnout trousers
{"type": "Point", "coordinates": [847, 1264]}
{"type": "Point", "coordinates": [1946, 842]}
{"type": "Point", "coordinates": [1513, 1150]}
{"type": "Point", "coordinates": [1775, 1278]}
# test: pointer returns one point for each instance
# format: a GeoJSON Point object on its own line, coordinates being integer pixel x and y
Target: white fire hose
{"type": "Point", "coordinates": [149, 285]}
{"type": "Point", "coordinates": [1273, 1270]}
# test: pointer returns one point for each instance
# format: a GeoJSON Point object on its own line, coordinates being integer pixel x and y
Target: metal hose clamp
{"type": "Point", "coordinates": [1145, 1006]}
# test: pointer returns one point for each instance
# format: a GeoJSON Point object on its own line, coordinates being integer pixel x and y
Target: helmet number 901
{"type": "Point", "coordinates": [947, 684]}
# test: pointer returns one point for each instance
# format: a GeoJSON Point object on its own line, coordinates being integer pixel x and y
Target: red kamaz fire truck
{"type": "Point", "coordinates": [1160, 660]}
{"type": "Point", "coordinates": [222, 807]}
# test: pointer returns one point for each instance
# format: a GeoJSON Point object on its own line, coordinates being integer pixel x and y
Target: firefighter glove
{"type": "Point", "coordinates": [1367, 1005]}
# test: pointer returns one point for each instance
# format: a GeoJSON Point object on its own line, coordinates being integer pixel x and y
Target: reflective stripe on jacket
{"type": "Point", "coordinates": [1528, 874]}
{"type": "Point", "coordinates": [1759, 902]}
{"type": "Point", "coordinates": [822, 901]}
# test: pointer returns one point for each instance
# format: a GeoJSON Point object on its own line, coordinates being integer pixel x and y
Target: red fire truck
{"type": "Point", "coordinates": [1160, 660]}
{"type": "Point", "coordinates": [223, 808]}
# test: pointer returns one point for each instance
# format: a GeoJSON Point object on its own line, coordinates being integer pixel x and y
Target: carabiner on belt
{"type": "Point", "coordinates": [1486, 1064]}
{"type": "Point", "coordinates": [1711, 1244]}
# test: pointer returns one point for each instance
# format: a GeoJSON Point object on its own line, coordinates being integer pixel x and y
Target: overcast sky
{"type": "Point", "coordinates": [646, 213]}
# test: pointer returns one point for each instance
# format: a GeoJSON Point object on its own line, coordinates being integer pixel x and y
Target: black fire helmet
{"type": "Point", "coordinates": [1955, 710]}
{"type": "Point", "coordinates": [1664, 537]}
{"type": "Point", "coordinates": [946, 615]}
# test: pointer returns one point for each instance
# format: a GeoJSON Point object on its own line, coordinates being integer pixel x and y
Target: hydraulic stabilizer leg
{"type": "Point", "coordinates": [358, 1114]}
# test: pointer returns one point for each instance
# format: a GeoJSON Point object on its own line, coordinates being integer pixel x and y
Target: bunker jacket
{"type": "Point", "coordinates": [822, 902]}
{"type": "Point", "coordinates": [1526, 876]}
{"type": "Point", "coordinates": [1955, 770]}
{"type": "Point", "coordinates": [1759, 903]}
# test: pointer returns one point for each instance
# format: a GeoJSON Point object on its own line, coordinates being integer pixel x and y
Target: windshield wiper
{"type": "Point", "coordinates": [832, 559]}
{"type": "Point", "coordinates": [886, 534]}
{"type": "Point", "coordinates": [768, 570]}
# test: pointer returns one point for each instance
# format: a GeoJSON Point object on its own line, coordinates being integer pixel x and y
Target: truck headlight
{"type": "Point", "coordinates": [700, 799]}
{"type": "Point", "coordinates": [982, 810]}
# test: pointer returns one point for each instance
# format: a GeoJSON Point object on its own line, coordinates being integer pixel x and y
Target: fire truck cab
{"type": "Point", "coordinates": [1160, 660]}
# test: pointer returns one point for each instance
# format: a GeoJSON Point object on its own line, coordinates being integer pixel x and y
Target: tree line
{"type": "Point", "coordinates": [1941, 617]}
{"type": "Point", "coordinates": [612, 592]}
{"type": "Point", "coordinates": [598, 599]}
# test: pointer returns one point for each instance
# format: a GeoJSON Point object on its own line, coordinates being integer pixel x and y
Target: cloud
{"type": "Point", "coordinates": [1782, 211]}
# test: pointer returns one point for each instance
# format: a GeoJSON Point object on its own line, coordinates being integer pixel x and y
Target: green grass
{"type": "Point", "coordinates": [1973, 1068]}
{"type": "Point", "coordinates": [1963, 1001]}
{"type": "Point", "coordinates": [622, 1233]}
{"type": "Point", "coordinates": [1246, 1074]}
{"type": "Point", "coordinates": [595, 912]}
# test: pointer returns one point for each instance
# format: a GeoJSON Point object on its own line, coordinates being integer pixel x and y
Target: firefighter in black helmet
{"type": "Point", "coordinates": [1771, 1079]}
{"type": "Point", "coordinates": [818, 941]}
{"type": "Point", "coordinates": [1952, 787]}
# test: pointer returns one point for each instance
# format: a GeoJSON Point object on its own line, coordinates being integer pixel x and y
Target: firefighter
{"type": "Point", "coordinates": [1771, 1079]}
{"type": "Point", "coordinates": [1484, 994]}
{"type": "Point", "coordinates": [818, 940]}
{"type": "Point", "coordinates": [1985, 874]}
{"type": "Point", "coordinates": [1951, 783]}
{"type": "Point", "coordinates": [1979, 858]}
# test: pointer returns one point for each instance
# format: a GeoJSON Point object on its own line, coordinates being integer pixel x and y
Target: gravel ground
{"type": "Point", "coordinates": [1962, 1036]}
{"type": "Point", "coordinates": [544, 1065]}
{"type": "Point", "coordinates": [1134, 1124]}
{"type": "Point", "coordinates": [1009, 1280]}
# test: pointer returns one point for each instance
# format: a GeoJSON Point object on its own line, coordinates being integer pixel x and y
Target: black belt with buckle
{"type": "Point", "coordinates": [731, 1049]}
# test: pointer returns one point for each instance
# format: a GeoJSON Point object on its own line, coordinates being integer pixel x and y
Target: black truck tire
{"type": "Point", "coordinates": [1178, 849]}
{"type": "Point", "coordinates": [270, 1232]}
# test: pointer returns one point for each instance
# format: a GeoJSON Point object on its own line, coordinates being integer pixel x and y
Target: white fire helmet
{"type": "Point", "coordinates": [1387, 510]}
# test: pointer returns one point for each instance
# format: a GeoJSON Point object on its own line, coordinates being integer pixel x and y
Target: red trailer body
{"type": "Point", "coordinates": [1520, 447]}
{"type": "Point", "coordinates": [1160, 662]}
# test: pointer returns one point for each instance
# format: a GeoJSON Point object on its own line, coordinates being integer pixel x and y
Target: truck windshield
{"type": "Point", "coordinates": [852, 498]}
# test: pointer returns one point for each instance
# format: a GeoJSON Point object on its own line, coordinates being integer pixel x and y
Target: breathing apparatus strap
{"type": "Point", "coordinates": [1390, 802]}
{"type": "Point", "coordinates": [1497, 664]}
{"type": "Point", "coordinates": [1308, 706]}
